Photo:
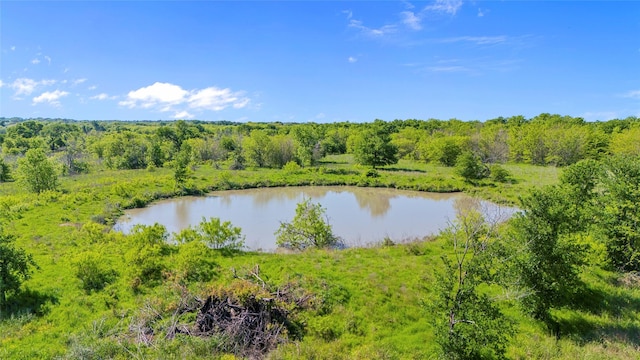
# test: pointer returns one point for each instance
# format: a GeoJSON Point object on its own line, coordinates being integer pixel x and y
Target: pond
{"type": "Point", "coordinates": [360, 216]}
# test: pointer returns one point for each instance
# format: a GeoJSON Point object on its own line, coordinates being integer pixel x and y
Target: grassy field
{"type": "Point", "coordinates": [371, 302]}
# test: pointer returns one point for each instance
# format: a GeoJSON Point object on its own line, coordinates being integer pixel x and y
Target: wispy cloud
{"type": "Point", "coordinates": [634, 94]}
{"type": "Point", "coordinates": [78, 81]}
{"type": "Point", "coordinates": [51, 97]}
{"type": "Point", "coordinates": [102, 96]}
{"type": "Point", "coordinates": [348, 13]}
{"type": "Point", "coordinates": [167, 97]}
{"type": "Point", "coordinates": [478, 40]}
{"type": "Point", "coordinates": [372, 32]}
{"type": "Point", "coordinates": [448, 69]}
{"type": "Point", "coordinates": [411, 20]}
{"type": "Point", "coordinates": [48, 59]}
{"type": "Point", "coordinates": [13, 48]}
{"type": "Point", "coordinates": [35, 61]}
{"type": "Point", "coordinates": [352, 59]}
{"type": "Point", "coordinates": [445, 6]}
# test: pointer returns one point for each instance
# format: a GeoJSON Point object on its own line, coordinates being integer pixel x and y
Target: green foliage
{"type": "Point", "coordinates": [92, 271]}
{"type": "Point", "coordinates": [444, 150]}
{"type": "Point", "coordinates": [15, 267]}
{"type": "Point", "coordinates": [181, 167]}
{"type": "Point", "coordinates": [307, 229]}
{"type": "Point", "coordinates": [213, 233]}
{"type": "Point", "coordinates": [148, 246]}
{"type": "Point", "coordinates": [37, 173]}
{"type": "Point", "coordinates": [550, 258]}
{"type": "Point", "coordinates": [619, 212]}
{"type": "Point", "coordinates": [195, 262]}
{"type": "Point", "coordinates": [499, 174]}
{"type": "Point", "coordinates": [469, 325]}
{"type": "Point", "coordinates": [5, 171]}
{"type": "Point", "coordinates": [470, 167]}
{"type": "Point", "coordinates": [372, 146]}
{"type": "Point", "coordinates": [291, 167]}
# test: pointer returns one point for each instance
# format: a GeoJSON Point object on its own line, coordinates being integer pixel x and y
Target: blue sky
{"type": "Point", "coordinates": [322, 61]}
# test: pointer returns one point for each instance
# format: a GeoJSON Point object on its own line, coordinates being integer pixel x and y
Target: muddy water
{"type": "Point", "coordinates": [361, 216]}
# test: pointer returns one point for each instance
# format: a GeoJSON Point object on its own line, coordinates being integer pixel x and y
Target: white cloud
{"type": "Point", "coordinates": [349, 14]}
{"type": "Point", "coordinates": [445, 6]}
{"type": "Point", "coordinates": [24, 86]}
{"type": "Point", "coordinates": [13, 48]}
{"type": "Point", "coordinates": [183, 115]}
{"type": "Point", "coordinates": [79, 81]}
{"type": "Point", "coordinates": [167, 97]}
{"type": "Point", "coordinates": [352, 59]}
{"type": "Point", "coordinates": [634, 94]}
{"type": "Point", "coordinates": [384, 30]}
{"type": "Point", "coordinates": [411, 20]}
{"type": "Point", "coordinates": [158, 93]}
{"type": "Point", "coordinates": [449, 69]}
{"type": "Point", "coordinates": [51, 97]}
{"type": "Point", "coordinates": [478, 40]}
{"type": "Point", "coordinates": [1, 83]}
{"type": "Point", "coordinates": [92, 87]}
{"type": "Point", "coordinates": [101, 96]}
{"type": "Point", "coordinates": [480, 12]}
{"type": "Point", "coordinates": [48, 59]}
{"type": "Point", "coordinates": [35, 61]}
{"type": "Point", "coordinates": [321, 116]}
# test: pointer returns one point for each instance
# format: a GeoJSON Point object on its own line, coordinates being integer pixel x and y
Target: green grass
{"type": "Point", "coordinates": [375, 298]}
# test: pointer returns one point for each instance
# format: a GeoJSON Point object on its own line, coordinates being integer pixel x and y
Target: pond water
{"type": "Point", "coordinates": [360, 216]}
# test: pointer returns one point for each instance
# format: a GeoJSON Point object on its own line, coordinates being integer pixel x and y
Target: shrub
{"type": "Point", "coordinates": [90, 269]}
{"type": "Point", "coordinates": [308, 229]}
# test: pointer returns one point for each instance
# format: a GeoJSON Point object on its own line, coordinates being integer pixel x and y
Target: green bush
{"type": "Point", "coordinates": [90, 269]}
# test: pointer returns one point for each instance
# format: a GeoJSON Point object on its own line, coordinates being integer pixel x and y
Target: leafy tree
{"type": "Point", "coordinates": [308, 228]}
{"type": "Point", "coordinates": [37, 172]}
{"type": "Point", "coordinates": [256, 148]}
{"type": "Point", "coordinates": [5, 171]}
{"type": "Point", "coordinates": [214, 233]}
{"type": "Point", "coordinates": [181, 165]}
{"type": "Point", "coordinates": [550, 256]}
{"type": "Point", "coordinates": [470, 167]}
{"type": "Point", "coordinates": [15, 267]}
{"type": "Point", "coordinates": [469, 324]}
{"type": "Point", "coordinates": [372, 146]}
{"type": "Point", "coordinates": [444, 150]}
{"type": "Point", "coordinates": [148, 245]}
{"type": "Point", "coordinates": [619, 212]}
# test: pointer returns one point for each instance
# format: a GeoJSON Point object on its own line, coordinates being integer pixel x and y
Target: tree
{"type": "Point", "coordinates": [469, 324]}
{"type": "Point", "coordinates": [214, 233]}
{"type": "Point", "coordinates": [37, 172]}
{"type": "Point", "coordinates": [308, 228]}
{"type": "Point", "coordinates": [470, 167]}
{"type": "Point", "coordinates": [5, 171]}
{"type": "Point", "coordinates": [550, 258]}
{"type": "Point", "coordinates": [181, 170]}
{"type": "Point", "coordinates": [15, 267]}
{"type": "Point", "coordinates": [372, 146]}
{"type": "Point", "coordinates": [619, 212]}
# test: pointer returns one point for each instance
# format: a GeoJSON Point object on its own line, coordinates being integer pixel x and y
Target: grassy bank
{"type": "Point", "coordinates": [369, 302]}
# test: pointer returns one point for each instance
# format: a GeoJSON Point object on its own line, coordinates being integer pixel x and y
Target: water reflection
{"type": "Point", "coordinates": [359, 215]}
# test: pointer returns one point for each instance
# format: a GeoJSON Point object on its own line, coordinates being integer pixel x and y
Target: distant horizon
{"type": "Point", "coordinates": [319, 61]}
{"type": "Point", "coordinates": [3, 118]}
